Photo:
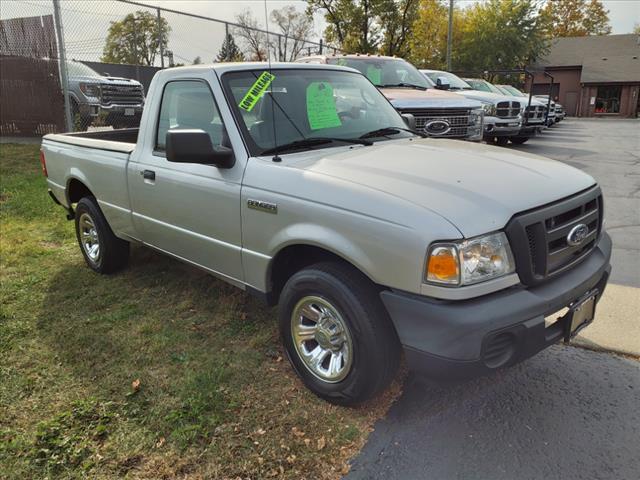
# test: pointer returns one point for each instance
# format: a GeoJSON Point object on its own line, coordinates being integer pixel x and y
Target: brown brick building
{"type": "Point", "coordinates": [593, 76]}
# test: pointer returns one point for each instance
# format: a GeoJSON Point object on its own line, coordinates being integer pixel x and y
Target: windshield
{"type": "Point", "coordinates": [277, 108]}
{"type": "Point", "coordinates": [455, 82]}
{"type": "Point", "coordinates": [513, 91]}
{"type": "Point", "coordinates": [384, 71]}
{"type": "Point", "coordinates": [483, 85]}
{"type": "Point", "coordinates": [77, 69]}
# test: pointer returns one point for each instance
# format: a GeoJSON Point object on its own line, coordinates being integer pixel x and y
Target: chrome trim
{"type": "Point", "coordinates": [262, 206]}
{"type": "Point", "coordinates": [470, 291]}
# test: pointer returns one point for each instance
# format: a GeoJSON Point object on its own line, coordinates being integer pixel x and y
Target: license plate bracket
{"type": "Point", "coordinates": [581, 313]}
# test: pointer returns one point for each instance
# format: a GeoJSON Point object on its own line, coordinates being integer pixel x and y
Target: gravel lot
{"type": "Point", "coordinates": [566, 413]}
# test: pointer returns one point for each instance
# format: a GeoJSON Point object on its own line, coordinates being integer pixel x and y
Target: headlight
{"type": "Point", "coordinates": [489, 109]}
{"type": "Point", "coordinates": [90, 89]}
{"type": "Point", "coordinates": [466, 262]}
{"type": "Point", "coordinates": [475, 118]}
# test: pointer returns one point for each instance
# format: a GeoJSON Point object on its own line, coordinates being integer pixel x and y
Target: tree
{"type": "Point", "coordinates": [397, 19]}
{"type": "Point", "coordinates": [596, 19]}
{"type": "Point", "coordinates": [136, 39]}
{"type": "Point", "coordinates": [255, 41]}
{"type": "Point", "coordinates": [636, 28]}
{"type": "Point", "coordinates": [295, 27]}
{"type": "Point", "coordinates": [229, 52]}
{"type": "Point", "coordinates": [352, 24]}
{"type": "Point", "coordinates": [197, 60]}
{"type": "Point", "coordinates": [500, 34]}
{"type": "Point", "coordinates": [428, 42]}
{"type": "Point", "coordinates": [576, 18]}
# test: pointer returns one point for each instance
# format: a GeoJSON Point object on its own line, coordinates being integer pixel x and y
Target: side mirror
{"type": "Point", "coordinates": [410, 120]}
{"type": "Point", "coordinates": [194, 146]}
{"type": "Point", "coordinates": [442, 83]}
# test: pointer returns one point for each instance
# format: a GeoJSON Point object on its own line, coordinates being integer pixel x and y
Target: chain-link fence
{"type": "Point", "coordinates": [78, 65]}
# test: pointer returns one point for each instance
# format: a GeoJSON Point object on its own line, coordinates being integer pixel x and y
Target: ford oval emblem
{"type": "Point", "coordinates": [437, 127]}
{"type": "Point", "coordinates": [577, 234]}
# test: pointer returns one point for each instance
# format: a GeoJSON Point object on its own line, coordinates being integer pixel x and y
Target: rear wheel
{"type": "Point", "coordinates": [337, 333]}
{"type": "Point", "coordinates": [519, 140]}
{"type": "Point", "coordinates": [102, 250]}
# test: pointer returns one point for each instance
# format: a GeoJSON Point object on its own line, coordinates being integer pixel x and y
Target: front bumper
{"type": "Point", "coordinates": [452, 338]}
{"type": "Point", "coordinates": [500, 127]}
{"type": "Point", "coordinates": [94, 109]}
{"type": "Point", "coordinates": [530, 129]}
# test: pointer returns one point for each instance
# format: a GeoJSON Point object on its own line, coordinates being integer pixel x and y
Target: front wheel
{"type": "Point", "coordinates": [519, 140]}
{"type": "Point", "coordinates": [337, 333]}
{"type": "Point", "coordinates": [101, 249]}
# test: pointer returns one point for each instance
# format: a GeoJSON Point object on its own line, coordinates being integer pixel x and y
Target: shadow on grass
{"type": "Point", "coordinates": [191, 341]}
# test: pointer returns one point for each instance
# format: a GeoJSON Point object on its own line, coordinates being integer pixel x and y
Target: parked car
{"type": "Point", "coordinates": [556, 112]}
{"type": "Point", "coordinates": [91, 94]}
{"type": "Point", "coordinates": [534, 113]}
{"type": "Point", "coordinates": [502, 115]}
{"type": "Point", "coordinates": [553, 106]}
{"type": "Point", "coordinates": [370, 238]}
{"type": "Point", "coordinates": [437, 113]}
{"type": "Point", "coordinates": [558, 109]}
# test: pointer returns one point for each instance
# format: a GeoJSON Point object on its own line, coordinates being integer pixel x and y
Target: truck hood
{"type": "Point", "coordinates": [101, 80]}
{"type": "Point", "coordinates": [404, 98]}
{"type": "Point", "coordinates": [489, 97]}
{"type": "Point", "coordinates": [478, 188]}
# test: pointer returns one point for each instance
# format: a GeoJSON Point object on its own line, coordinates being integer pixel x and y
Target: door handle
{"type": "Point", "coordinates": [148, 174]}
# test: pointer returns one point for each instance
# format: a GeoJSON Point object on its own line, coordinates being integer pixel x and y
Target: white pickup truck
{"type": "Point", "coordinates": [302, 184]}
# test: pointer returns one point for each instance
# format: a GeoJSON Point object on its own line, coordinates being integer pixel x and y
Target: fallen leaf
{"type": "Point", "coordinates": [160, 442]}
{"type": "Point", "coordinates": [135, 385]}
{"type": "Point", "coordinates": [321, 443]}
{"type": "Point", "coordinates": [297, 432]}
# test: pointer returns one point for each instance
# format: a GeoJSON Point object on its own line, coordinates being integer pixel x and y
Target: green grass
{"type": "Point", "coordinates": [215, 398]}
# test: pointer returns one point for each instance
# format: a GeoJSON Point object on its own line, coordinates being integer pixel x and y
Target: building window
{"type": "Point", "coordinates": [608, 99]}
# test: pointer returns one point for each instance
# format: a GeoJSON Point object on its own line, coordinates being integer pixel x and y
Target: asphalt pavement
{"type": "Point", "coordinates": [566, 413]}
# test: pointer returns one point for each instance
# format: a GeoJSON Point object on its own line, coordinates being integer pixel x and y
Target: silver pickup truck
{"type": "Point", "coordinates": [372, 240]}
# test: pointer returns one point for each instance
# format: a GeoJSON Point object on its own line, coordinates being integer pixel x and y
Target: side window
{"type": "Point", "coordinates": [188, 104]}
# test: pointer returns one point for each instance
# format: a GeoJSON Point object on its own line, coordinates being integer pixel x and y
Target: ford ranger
{"type": "Point", "coordinates": [437, 113]}
{"type": "Point", "coordinates": [372, 240]}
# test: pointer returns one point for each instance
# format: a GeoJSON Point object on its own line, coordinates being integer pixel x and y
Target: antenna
{"type": "Point", "coordinates": [276, 157]}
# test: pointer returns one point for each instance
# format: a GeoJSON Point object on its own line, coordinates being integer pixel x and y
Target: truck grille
{"type": "Point", "coordinates": [122, 94]}
{"type": "Point", "coordinates": [535, 112]}
{"type": "Point", "coordinates": [540, 238]}
{"type": "Point", "coordinates": [458, 119]}
{"type": "Point", "coordinates": [508, 109]}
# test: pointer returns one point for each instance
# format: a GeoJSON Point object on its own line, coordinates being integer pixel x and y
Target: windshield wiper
{"type": "Point", "coordinates": [402, 84]}
{"type": "Point", "coordinates": [312, 142]}
{"type": "Point", "coordinates": [383, 132]}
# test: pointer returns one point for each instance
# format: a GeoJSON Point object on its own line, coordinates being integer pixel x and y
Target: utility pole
{"type": "Point", "coordinates": [450, 35]}
{"type": "Point", "coordinates": [161, 47]}
{"type": "Point", "coordinates": [63, 66]}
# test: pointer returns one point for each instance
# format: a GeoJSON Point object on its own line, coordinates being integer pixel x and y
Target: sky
{"type": "Point", "coordinates": [86, 21]}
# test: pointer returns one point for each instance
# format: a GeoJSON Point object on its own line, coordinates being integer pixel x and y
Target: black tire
{"type": "Point", "coordinates": [501, 141]}
{"type": "Point", "coordinates": [376, 348]}
{"type": "Point", "coordinates": [519, 140]}
{"type": "Point", "coordinates": [113, 252]}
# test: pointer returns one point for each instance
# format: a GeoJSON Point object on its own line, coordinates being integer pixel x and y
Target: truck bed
{"type": "Point", "coordinates": [121, 140]}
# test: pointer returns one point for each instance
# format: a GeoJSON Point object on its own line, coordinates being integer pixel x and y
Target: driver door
{"type": "Point", "coordinates": [190, 211]}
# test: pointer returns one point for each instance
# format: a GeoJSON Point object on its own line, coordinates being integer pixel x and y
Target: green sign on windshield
{"type": "Point", "coordinates": [374, 74]}
{"type": "Point", "coordinates": [321, 106]}
{"type": "Point", "coordinates": [256, 91]}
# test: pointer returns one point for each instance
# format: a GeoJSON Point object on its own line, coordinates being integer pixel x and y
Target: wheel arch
{"type": "Point", "coordinates": [76, 189]}
{"type": "Point", "coordinates": [295, 256]}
